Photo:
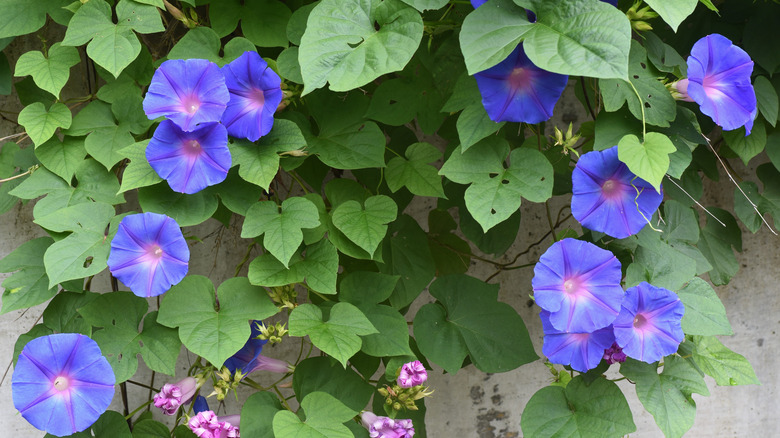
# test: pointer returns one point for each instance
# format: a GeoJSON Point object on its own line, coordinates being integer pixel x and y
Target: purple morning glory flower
{"type": "Point", "coordinates": [255, 93]}
{"type": "Point", "coordinates": [200, 404]}
{"type": "Point", "coordinates": [190, 160]}
{"type": "Point", "coordinates": [412, 374]}
{"type": "Point", "coordinates": [148, 254]}
{"type": "Point", "coordinates": [385, 427]}
{"type": "Point", "coordinates": [248, 359]}
{"type": "Point", "coordinates": [478, 3]}
{"type": "Point", "coordinates": [206, 424]}
{"type": "Point", "coordinates": [579, 284]}
{"type": "Point", "coordinates": [173, 395]}
{"type": "Point", "coordinates": [188, 92]}
{"type": "Point", "coordinates": [516, 90]}
{"type": "Point", "coordinates": [605, 195]}
{"type": "Point", "coordinates": [614, 354]}
{"type": "Point", "coordinates": [583, 351]}
{"type": "Point", "coordinates": [648, 327]}
{"type": "Point", "coordinates": [62, 383]}
{"type": "Point", "coordinates": [719, 81]}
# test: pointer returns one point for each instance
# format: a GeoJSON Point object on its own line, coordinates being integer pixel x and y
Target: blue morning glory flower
{"type": "Point", "coordinates": [609, 198]}
{"type": "Point", "coordinates": [248, 359]}
{"type": "Point", "coordinates": [583, 351]}
{"type": "Point", "coordinates": [188, 92]}
{"type": "Point", "coordinates": [149, 254]}
{"type": "Point", "coordinates": [62, 383]}
{"type": "Point", "coordinates": [719, 81]}
{"type": "Point", "coordinates": [515, 90]}
{"type": "Point", "coordinates": [478, 3]}
{"type": "Point", "coordinates": [190, 160]}
{"type": "Point", "coordinates": [579, 284]}
{"type": "Point", "coordinates": [255, 93]}
{"type": "Point", "coordinates": [649, 325]}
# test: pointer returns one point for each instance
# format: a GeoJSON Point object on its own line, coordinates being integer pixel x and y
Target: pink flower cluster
{"type": "Point", "coordinates": [206, 424]}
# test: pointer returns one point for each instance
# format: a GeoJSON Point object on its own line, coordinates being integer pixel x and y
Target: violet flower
{"type": "Point", "coordinates": [579, 284]}
{"type": "Point", "coordinates": [188, 92]}
{"type": "Point", "coordinates": [62, 383]}
{"type": "Point", "coordinates": [478, 3]}
{"type": "Point", "coordinates": [206, 424]}
{"type": "Point", "coordinates": [516, 90]}
{"type": "Point", "coordinates": [255, 93]}
{"type": "Point", "coordinates": [583, 351]}
{"type": "Point", "coordinates": [173, 395]}
{"type": "Point", "coordinates": [190, 160]}
{"type": "Point", "coordinates": [385, 427]}
{"type": "Point", "coordinates": [608, 197]}
{"type": "Point", "coordinates": [149, 254]}
{"type": "Point", "coordinates": [614, 354]}
{"type": "Point", "coordinates": [412, 374]}
{"type": "Point", "coordinates": [648, 327]}
{"type": "Point", "coordinates": [719, 81]}
{"type": "Point", "coordinates": [200, 404]}
{"type": "Point", "coordinates": [248, 359]}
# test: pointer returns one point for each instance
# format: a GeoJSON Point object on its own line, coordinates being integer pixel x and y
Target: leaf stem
{"type": "Point", "coordinates": [641, 107]}
{"type": "Point", "coordinates": [137, 410]}
{"type": "Point", "coordinates": [28, 172]}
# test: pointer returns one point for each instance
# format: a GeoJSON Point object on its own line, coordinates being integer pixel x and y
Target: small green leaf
{"type": "Point", "coordinates": [673, 13]}
{"type": "Point", "coordinates": [356, 146]}
{"type": "Point", "coordinates": [49, 72]}
{"type": "Point", "coordinates": [186, 210]}
{"type": "Point", "coordinates": [704, 312]}
{"type": "Point", "coordinates": [725, 366]}
{"type": "Point", "coordinates": [414, 172]}
{"type": "Point", "coordinates": [41, 123]}
{"type": "Point", "coordinates": [474, 124]}
{"type": "Point", "coordinates": [484, 158]}
{"type": "Point", "coordinates": [491, 33]}
{"type": "Point", "coordinates": [767, 99]}
{"type": "Point", "coordinates": [28, 285]}
{"type": "Point", "coordinates": [319, 268]}
{"type": "Point", "coordinates": [138, 172]}
{"type": "Point", "coordinates": [325, 416]}
{"type": "Point", "coordinates": [648, 160]}
{"type": "Point", "coordinates": [282, 230]}
{"type": "Point", "coordinates": [259, 162]}
{"type": "Point", "coordinates": [62, 157]}
{"type": "Point", "coordinates": [749, 146]}
{"type": "Point", "coordinates": [365, 225]}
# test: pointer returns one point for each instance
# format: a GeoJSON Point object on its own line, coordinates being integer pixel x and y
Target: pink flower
{"type": "Point", "coordinates": [173, 395]}
{"type": "Point", "coordinates": [206, 424]}
{"type": "Point", "coordinates": [412, 374]}
{"type": "Point", "coordinates": [385, 427]}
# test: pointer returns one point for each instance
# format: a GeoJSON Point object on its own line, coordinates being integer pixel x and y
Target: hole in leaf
{"type": "Point", "coordinates": [542, 179]}
{"type": "Point", "coordinates": [647, 104]}
{"type": "Point", "coordinates": [492, 211]}
{"type": "Point", "coordinates": [392, 102]}
{"type": "Point", "coordinates": [492, 174]}
{"type": "Point", "coordinates": [505, 181]}
{"type": "Point", "coordinates": [636, 76]}
{"type": "Point", "coordinates": [643, 65]}
{"type": "Point", "coordinates": [354, 45]}
{"type": "Point", "coordinates": [376, 26]}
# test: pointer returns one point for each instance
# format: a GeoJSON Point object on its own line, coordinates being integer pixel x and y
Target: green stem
{"type": "Point", "coordinates": [642, 107]}
{"type": "Point", "coordinates": [137, 410]}
{"type": "Point", "coordinates": [300, 183]}
{"type": "Point", "coordinates": [396, 153]}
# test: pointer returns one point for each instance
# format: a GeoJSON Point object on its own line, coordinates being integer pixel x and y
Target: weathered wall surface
{"type": "Point", "coordinates": [471, 403]}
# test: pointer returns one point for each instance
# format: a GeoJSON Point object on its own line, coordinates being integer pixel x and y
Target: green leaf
{"type": "Point", "coordinates": [704, 312]}
{"type": "Point", "coordinates": [749, 146]}
{"type": "Point", "coordinates": [282, 229]}
{"type": "Point", "coordinates": [61, 315]}
{"type": "Point", "coordinates": [667, 396]}
{"type": "Point", "coordinates": [451, 254]}
{"type": "Point", "coordinates": [365, 225]}
{"type": "Point", "coordinates": [325, 374]}
{"type": "Point", "coordinates": [21, 17]}
{"type": "Point", "coordinates": [470, 315]}
{"type": "Point", "coordinates": [49, 72]}
{"type": "Point", "coordinates": [484, 158]}
{"type": "Point", "coordinates": [259, 162]}
{"type": "Point", "coordinates": [743, 207]}
{"type": "Point", "coordinates": [215, 333]}
{"type": "Point", "coordinates": [203, 42]}
{"type": "Point", "coordinates": [263, 22]}
{"type": "Point", "coordinates": [62, 157]}
{"type": "Point", "coordinates": [41, 123]}
{"type": "Point", "coordinates": [598, 410]}
{"type": "Point", "coordinates": [342, 46]}
{"type": "Point", "coordinates": [648, 160]}
{"type": "Point", "coordinates": [766, 97]}
{"type": "Point", "coordinates": [660, 264]}
{"type": "Point", "coordinates": [257, 414]}
{"type": "Point", "coordinates": [414, 172]}
{"type": "Point", "coordinates": [407, 254]}
{"type": "Point", "coordinates": [186, 210]}
{"type": "Point", "coordinates": [584, 38]}
{"type": "Point", "coordinates": [474, 124]}
{"type": "Point", "coordinates": [491, 33]}
{"type": "Point", "coordinates": [356, 146]}
{"type": "Point", "coordinates": [673, 13]}
{"type": "Point", "coordinates": [424, 5]}
{"type": "Point", "coordinates": [111, 424]}
{"type": "Point", "coordinates": [319, 268]}
{"type": "Point", "coordinates": [325, 416]}
{"type": "Point", "coordinates": [338, 336]}
{"type": "Point", "coordinates": [28, 285]}
{"type": "Point", "coordinates": [138, 172]}
{"type": "Point", "coordinates": [716, 242]}
{"type": "Point", "coordinates": [150, 429]}
{"type": "Point", "coordinates": [725, 366]}
{"type": "Point", "coordinates": [237, 194]}
{"type": "Point", "coordinates": [6, 79]}
{"type": "Point", "coordinates": [105, 138]}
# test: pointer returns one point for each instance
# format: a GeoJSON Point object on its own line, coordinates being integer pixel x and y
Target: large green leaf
{"type": "Point", "coordinates": [263, 22]}
{"type": "Point", "coordinates": [214, 332]}
{"type": "Point", "coordinates": [366, 224]}
{"type": "Point", "coordinates": [414, 172]}
{"type": "Point", "coordinates": [673, 12]}
{"type": "Point", "coordinates": [343, 46]}
{"type": "Point", "coordinates": [28, 285]}
{"type": "Point", "coordinates": [407, 254]}
{"type": "Point", "coordinates": [667, 396]}
{"type": "Point", "coordinates": [598, 410]}
{"type": "Point", "coordinates": [474, 124]}
{"type": "Point", "coordinates": [21, 17]}
{"type": "Point", "coordinates": [469, 315]}
{"type": "Point", "coordinates": [257, 414]}
{"type": "Point", "coordinates": [767, 99]}
{"type": "Point", "coordinates": [749, 146]}
{"type": "Point", "coordinates": [725, 366]}
{"type": "Point", "coordinates": [491, 33]}
{"type": "Point", "coordinates": [319, 267]}
{"type": "Point", "coordinates": [704, 312]}
{"type": "Point", "coordinates": [186, 210]}
{"type": "Point", "coordinates": [41, 123]}
{"type": "Point", "coordinates": [325, 416]}
{"type": "Point", "coordinates": [659, 264]}
{"type": "Point", "coordinates": [339, 335]}
{"type": "Point", "coordinates": [203, 42]}
{"type": "Point", "coordinates": [138, 172]}
{"type": "Point", "coordinates": [51, 71]}
{"type": "Point", "coordinates": [325, 374]}
{"type": "Point", "coordinates": [282, 229]}
{"type": "Point", "coordinates": [648, 159]}
{"type": "Point", "coordinates": [62, 157]}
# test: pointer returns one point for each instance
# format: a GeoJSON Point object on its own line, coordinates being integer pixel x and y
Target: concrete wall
{"type": "Point", "coordinates": [471, 403]}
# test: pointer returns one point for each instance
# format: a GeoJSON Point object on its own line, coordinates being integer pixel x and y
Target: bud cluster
{"type": "Point", "coordinates": [284, 296]}
{"type": "Point", "coordinates": [273, 334]}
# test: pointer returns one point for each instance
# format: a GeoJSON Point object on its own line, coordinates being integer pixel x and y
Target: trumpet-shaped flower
{"type": "Point", "coordinates": [173, 395]}
{"type": "Point", "coordinates": [200, 404]}
{"type": "Point", "coordinates": [385, 427]}
{"type": "Point", "coordinates": [62, 383]}
{"type": "Point", "coordinates": [206, 424]}
{"type": "Point", "coordinates": [583, 351]}
{"type": "Point", "coordinates": [190, 160]}
{"type": "Point", "coordinates": [608, 197]}
{"type": "Point", "coordinates": [579, 284]}
{"type": "Point", "coordinates": [719, 81]}
{"type": "Point", "coordinates": [255, 93]}
{"type": "Point", "coordinates": [188, 92]}
{"type": "Point", "coordinates": [248, 359]}
{"type": "Point", "coordinates": [649, 325]}
{"type": "Point", "coordinates": [412, 374]}
{"type": "Point", "coordinates": [149, 254]}
{"type": "Point", "coordinates": [516, 90]}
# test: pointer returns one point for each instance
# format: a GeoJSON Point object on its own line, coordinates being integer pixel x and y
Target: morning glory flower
{"type": "Point", "coordinates": [609, 198]}
{"type": "Point", "coordinates": [385, 427]}
{"type": "Point", "coordinates": [148, 254]}
{"type": "Point", "coordinates": [583, 351]}
{"type": "Point", "coordinates": [173, 395]}
{"type": "Point", "coordinates": [200, 404]}
{"type": "Point", "coordinates": [516, 90]}
{"type": "Point", "coordinates": [719, 81]}
{"type": "Point", "coordinates": [188, 92]}
{"type": "Point", "coordinates": [614, 354]}
{"type": "Point", "coordinates": [62, 383]}
{"type": "Point", "coordinates": [478, 3]}
{"type": "Point", "coordinates": [579, 284]}
{"type": "Point", "coordinates": [190, 160]}
{"type": "Point", "coordinates": [206, 424]}
{"type": "Point", "coordinates": [255, 93]}
{"type": "Point", "coordinates": [412, 374]}
{"type": "Point", "coordinates": [248, 359]}
{"type": "Point", "coordinates": [648, 327]}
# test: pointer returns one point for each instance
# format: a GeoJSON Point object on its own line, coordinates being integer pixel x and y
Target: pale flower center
{"type": "Point", "coordinates": [191, 104]}
{"type": "Point", "coordinates": [639, 321]}
{"type": "Point", "coordinates": [61, 383]}
{"type": "Point", "coordinates": [519, 78]}
{"type": "Point", "coordinates": [611, 188]}
{"type": "Point", "coordinates": [571, 286]}
{"type": "Point", "coordinates": [192, 147]}
{"type": "Point", "coordinates": [155, 251]}
{"type": "Point", "coordinates": [257, 96]}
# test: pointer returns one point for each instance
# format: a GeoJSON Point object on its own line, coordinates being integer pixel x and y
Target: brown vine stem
{"type": "Point", "coordinates": [8, 137]}
{"type": "Point", "coordinates": [695, 201]}
{"type": "Point", "coordinates": [28, 172]}
{"type": "Point", "coordinates": [752, 204]}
